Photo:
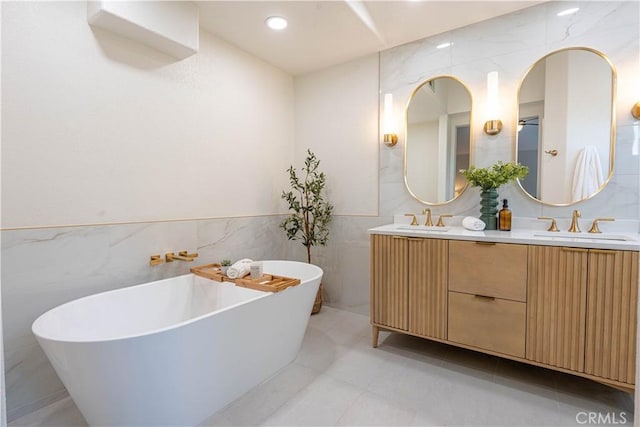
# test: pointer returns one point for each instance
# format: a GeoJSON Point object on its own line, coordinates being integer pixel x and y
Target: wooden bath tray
{"type": "Point", "coordinates": [211, 271]}
{"type": "Point", "coordinates": [268, 283]}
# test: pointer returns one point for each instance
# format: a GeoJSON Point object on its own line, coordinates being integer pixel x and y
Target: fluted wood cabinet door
{"type": "Point", "coordinates": [428, 261]}
{"type": "Point", "coordinates": [612, 296]}
{"type": "Point", "coordinates": [556, 306]}
{"type": "Point", "coordinates": [389, 280]}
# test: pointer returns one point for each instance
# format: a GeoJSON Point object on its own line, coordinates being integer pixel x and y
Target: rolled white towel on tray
{"type": "Point", "coordinates": [239, 269]}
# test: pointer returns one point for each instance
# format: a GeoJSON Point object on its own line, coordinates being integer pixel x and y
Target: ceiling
{"type": "Point", "coordinates": [325, 33]}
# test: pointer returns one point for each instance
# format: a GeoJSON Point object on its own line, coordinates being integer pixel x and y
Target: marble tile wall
{"type": "Point", "coordinates": [345, 262]}
{"type": "Point", "coordinates": [42, 268]}
{"type": "Point", "coordinates": [510, 44]}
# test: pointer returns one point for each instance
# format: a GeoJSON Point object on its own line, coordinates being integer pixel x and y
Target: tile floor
{"type": "Point", "coordinates": [339, 380]}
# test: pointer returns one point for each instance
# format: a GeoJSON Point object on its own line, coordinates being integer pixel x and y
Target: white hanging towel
{"type": "Point", "coordinates": [587, 176]}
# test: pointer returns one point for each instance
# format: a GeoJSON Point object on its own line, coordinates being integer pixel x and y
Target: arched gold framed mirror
{"type": "Point", "coordinates": [438, 140]}
{"type": "Point", "coordinates": [565, 129]}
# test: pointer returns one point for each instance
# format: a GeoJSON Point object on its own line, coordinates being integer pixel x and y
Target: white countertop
{"type": "Point", "coordinates": [629, 241]}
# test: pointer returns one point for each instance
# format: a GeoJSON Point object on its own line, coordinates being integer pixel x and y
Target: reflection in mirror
{"type": "Point", "coordinates": [438, 140]}
{"type": "Point", "coordinates": [566, 129]}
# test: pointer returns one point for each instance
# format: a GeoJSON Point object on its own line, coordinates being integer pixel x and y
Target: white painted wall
{"type": "Point", "coordinates": [100, 129]}
{"type": "Point", "coordinates": [169, 26]}
{"type": "Point", "coordinates": [337, 118]}
{"type": "Point", "coordinates": [3, 388]}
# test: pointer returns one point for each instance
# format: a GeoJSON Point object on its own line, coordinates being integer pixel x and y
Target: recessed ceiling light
{"type": "Point", "coordinates": [276, 22]}
{"type": "Point", "coordinates": [568, 11]}
{"type": "Point", "coordinates": [443, 45]}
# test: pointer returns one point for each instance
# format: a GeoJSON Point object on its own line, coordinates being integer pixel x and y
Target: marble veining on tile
{"type": "Point", "coordinates": [510, 44]}
{"type": "Point", "coordinates": [77, 261]}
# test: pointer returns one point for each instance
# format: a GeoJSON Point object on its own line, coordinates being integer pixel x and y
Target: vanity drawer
{"type": "Point", "coordinates": [489, 323]}
{"type": "Point", "coordinates": [490, 269]}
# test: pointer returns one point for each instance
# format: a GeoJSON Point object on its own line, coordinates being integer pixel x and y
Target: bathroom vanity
{"type": "Point", "coordinates": [562, 302]}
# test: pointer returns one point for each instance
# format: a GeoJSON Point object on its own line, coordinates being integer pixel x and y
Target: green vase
{"type": "Point", "coordinates": [489, 208]}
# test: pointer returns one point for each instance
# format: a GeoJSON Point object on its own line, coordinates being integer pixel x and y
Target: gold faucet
{"type": "Point", "coordinates": [182, 256]}
{"type": "Point", "coordinates": [575, 227]}
{"type": "Point", "coordinates": [594, 227]}
{"type": "Point", "coordinates": [428, 222]}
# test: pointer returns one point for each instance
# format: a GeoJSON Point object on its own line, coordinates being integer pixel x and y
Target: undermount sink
{"type": "Point", "coordinates": [586, 236]}
{"type": "Point", "coordinates": [429, 228]}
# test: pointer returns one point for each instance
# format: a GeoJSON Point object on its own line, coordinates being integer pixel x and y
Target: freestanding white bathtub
{"type": "Point", "coordinates": [174, 351]}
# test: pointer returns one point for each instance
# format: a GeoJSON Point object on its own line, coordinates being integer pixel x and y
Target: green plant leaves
{"type": "Point", "coordinates": [493, 177]}
{"type": "Point", "coordinates": [310, 212]}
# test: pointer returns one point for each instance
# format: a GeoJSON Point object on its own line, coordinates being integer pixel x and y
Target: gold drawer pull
{"type": "Point", "coordinates": [486, 243]}
{"type": "Point", "coordinates": [400, 237]}
{"type": "Point", "coordinates": [485, 297]}
{"type": "Point", "coordinates": [574, 250]}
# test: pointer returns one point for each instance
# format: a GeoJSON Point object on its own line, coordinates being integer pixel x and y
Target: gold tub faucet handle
{"type": "Point", "coordinates": [594, 227]}
{"type": "Point", "coordinates": [155, 260]}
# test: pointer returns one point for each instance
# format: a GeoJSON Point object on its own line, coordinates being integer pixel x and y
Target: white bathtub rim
{"type": "Point", "coordinates": [151, 332]}
{"type": "Point", "coordinates": [137, 335]}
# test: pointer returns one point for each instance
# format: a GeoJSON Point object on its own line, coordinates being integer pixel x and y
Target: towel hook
{"type": "Point", "coordinates": [552, 152]}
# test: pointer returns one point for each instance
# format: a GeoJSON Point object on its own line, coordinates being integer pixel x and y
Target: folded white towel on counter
{"type": "Point", "coordinates": [473, 224]}
{"type": "Point", "coordinates": [239, 269]}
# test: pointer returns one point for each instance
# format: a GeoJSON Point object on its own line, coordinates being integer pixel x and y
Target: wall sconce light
{"type": "Point", "coordinates": [635, 110]}
{"type": "Point", "coordinates": [493, 126]}
{"type": "Point", "coordinates": [390, 138]}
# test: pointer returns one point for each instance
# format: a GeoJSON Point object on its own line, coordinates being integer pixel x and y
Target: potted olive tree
{"type": "Point", "coordinates": [310, 212]}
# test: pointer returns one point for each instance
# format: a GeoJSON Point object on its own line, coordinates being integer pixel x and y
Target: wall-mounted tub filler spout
{"type": "Point", "coordinates": [182, 256]}
{"type": "Point", "coordinates": [575, 227]}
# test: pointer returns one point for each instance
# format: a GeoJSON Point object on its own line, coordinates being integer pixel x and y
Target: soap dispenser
{"type": "Point", "coordinates": [504, 217]}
